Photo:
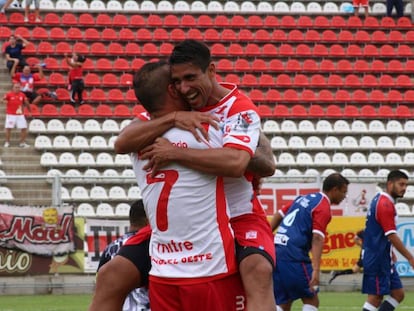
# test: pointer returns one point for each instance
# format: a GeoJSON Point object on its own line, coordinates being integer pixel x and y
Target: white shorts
{"type": "Point", "coordinates": [15, 120]}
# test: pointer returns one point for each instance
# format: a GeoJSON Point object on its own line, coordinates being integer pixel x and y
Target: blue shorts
{"type": "Point", "coordinates": [291, 281]}
{"type": "Point", "coordinates": [381, 284]}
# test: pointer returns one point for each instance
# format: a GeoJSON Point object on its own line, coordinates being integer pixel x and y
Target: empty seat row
{"type": "Point", "coordinates": [102, 210]}
{"type": "Point", "coordinates": [84, 111]}
{"type": "Point", "coordinates": [376, 159]}
{"type": "Point", "coordinates": [80, 193]}
{"type": "Point", "coordinates": [347, 142]}
{"type": "Point", "coordinates": [93, 175]}
{"type": "Point", "coordinates": [62, 142]}
{"type": "Point", "coordinates": [69, 159]}
{"type": "Point", "coordinates": [341, 126]}
{"type": "Point", "coordinates": [75, 126]}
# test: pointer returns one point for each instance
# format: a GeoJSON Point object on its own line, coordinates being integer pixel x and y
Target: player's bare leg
{"type": "Point", "coordinates": [285, 306]}
{"type": "Point", "coordinates": [114, 281]}
{"type": "Point", "coordinates": [310, 303]}
{"type": "Point", "coordinates": [256, 273]}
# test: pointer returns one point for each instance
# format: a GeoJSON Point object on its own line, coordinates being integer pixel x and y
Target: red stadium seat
{"type": "Point", "coordinates": [281, 110]}
{"type": "Point", "coordinates": [224, 64]}
{"type": "Point", "coordinates": [252, 49]}
{"type": "Point", "coordinates": [74, 33]}
{"type": "Point", "coordinates": [86, 110]}
{"type": "Point", "coordinates": [344, 65]}
{"type": "Point", "coordinates": [195, 34]}
{"type": "Point", "coordinates": [255, 21]}
{"type": "Point", "coordinates": [310, 65]}
{"type": "Point", "coordinates": [188, 20]}
{"type": "Point", "coordinates": [271, 21]}
{"type": "Point", "coordinates": [288, 21]}
{"type": "Point", "coordinates": [45, 47]}
{"type": "Point", "coordinates": [354, 50]}
{"type": "Point", "coordinates": [403, 80]}
{"type": "Point", "coordinates": [362, 36]}
{"type": "Point", "coordinates": [409, 36]}
{"type": "Point", "coordinates": [242, 64]}
{"type": "Point", "coordinates": [57, 78]}
{"type": "Point", "coordinates": [308, 96]}
{"type": "Point", "coordinates": [52, 63]}
{"type": "Point", "coordinates": [81, 48]}
{"type": "Point", "coordinates": [86, 19]}
{"type": "Point", "coordinates": [329, 36]}
{"type": "Point", "coordinates": [97, 95]}
{"type": "Point", "coordinates": [232, 78]}
{"type": "Point", "coordinates": [69, 19]}
{"type": "Point", "coordinates": [283, 80]}
{"type": "Point", "coordinates": [249, 80]}
{"type": "Point", "coordinates": [338, 21]}
{"type": "Point", "coordinates": [369, 111]}
{"type": "Point", "coordinates": [103, 19]}
{"type": "Point", "coordinates": [109, 34]}
{"type": "Point", "coordinates": [205, 20]}
{"type": "Point", "coordinates": [51, 19]}
{"type": "Point", "coordinates": [371, 22]}
{"type": "Point", "coordinates": [115, 48]}
{"type": "Point", "coordinates": [122, 110]}
{"type": "Point", "coordinates": [377, 96]}
{"type": "Point", "coordinates": [160, 34]}
{"type": "Point", "coordinates": [49, 110]}
{"type": "Point", "coordinates": [266, 80]}
{"type": "Point", "coordinates": [273, 95]}
{"type": "Point", "coordinates": [351, 111]}
{"type": "Point", "coordinates": [171, 20]}
{"type": "Point", "coordinates": [286, 50]}
{"type": "Point", "coordinates": [384, 111]}
{"type": "Point", "coordinates": [345, 36]}
{"type": "Point", "coordinates": [92, 34]}
{"type": "Point", "coordinates": [320, 50]}
{"type": "Point", "coordinates": [92, 79]}
{"type": "Point", "coordinates": [290, 95]}
{"type": "Point", "coordinates": [316, 111]}
{"type": "Point", "coordinates": [132, 48]}
{"type": "Point", "coordinates": [57, 33]}
{"type": "Point", "coordinates": [279, 35]}
{"type": "Point", "coordinates": [337, 50]}
{"type": "Point", "coordinates": [386, 80]}
{"type": "Point", "coordinates": [318, 80]}
{"type": "Point", "coordinates": [130, 96]}
{"type": "Point", "coordinates": [303, 50]}
{"type": "Point", "coordinates": [378, 36]}
{"type": "Point", "coordinates": [98, 48]}
{"type": "Point", "coordinates": [321, 22]}
{"type": "Point", "coordinates": [103, 110]}
{"type": "Point", "coordinates": [305, 21]}
{"type": "Point", "coordinates": [369, 80]}
{"type": "Point", "coordinates": [361, 65]}
{"type": "Point", "coordinates": [354, 22]}
{"type": "Point", "coordinates": [178, 34]}
{"type": "Point", "coordinates": [387, 50]}
{"type": "Point", "coordinates": [387, 22]}
{"type": "Point", "coordinates": [103, 64]}
{"type": "Point", "coordinates": [150, 49]}
{"type": "Point", "coordinates": [295, 35]}
{"type": "Point", "coordinates": [16, 18]}
{"type": "Point", "coordinates": [126, 79]}
{"type": "Point", "coordinates": [166, 48]}
{"type": "Point", "coordinates": [396, 36]}
{"type": "Point", "coordinates": [40, 33]}
{"type": "Point", "coordinates": [260, 64]}
{"type": "Point", "coordinates": [62, 94]}
{"type": "Point", "coordinates": [34, 111]}
{"type": "Point", "coordinates": [228, 35]}
{"type": "Point", "coordinates": [121, 64]}
{"type": "Point", "coordinates": [352, 80]}
{"type": "Point", "coordinates": [120, 20]}
{"type": "Point", "coordinates": [211, 34]}
{"type": "Point", "coordinates": [293, 65]}
{"type": "Point", "coordinates": [342, 96]}
{"type": "Point", "coordinates": [404, 50]}
{"type": "Point", "coordinates": [334, 111]}
{"type": "Point", "coordinates": [378, 65]}
{"type": "Point", "coordinates": [5, 32]}
{"type": "Point", "coordinates": [238, 21]}
{"type": "Point", "coordinates": [327, 65]}
{"type": "Point", "coordinates": [269, 49]}
{"type": "Point", "coordinates": [409, 96]}
{"type": "Point", "coordinates": [312, 35]}
{"type": "Point", "coordinates": [256, 95]}
{"type": "Point", "coordinates": [370, 50]}
{"type": "Point", "coordinates": [154, 20]}
{"type": "Point", "coordinates": [138, 20]}
{"type": "Point", "coordinates": [335, 80]}
{"type": "Point", "coordinates": [115, 95]}
{"type": "Point", "coordinates": [235, 49]}
{"type": "Point", "coordinates": [218, 49]}
{"type": "Point", "coordinates": [359, 96]}
{"type": "Point", "coordinates": [137, 110]}
{"type": "Point", "coordinates": [395, 65]}
{"type": "Point", "coordinates": [264, 111]}
{"type": "Point", "coordinates": [301, 80]}
{"type": "Point", "coordinates": [298, 111]}
{"type": "Point", "coordinates": [110, 79]}
{"type": "Point", "coordinates": [402, 111]}
{"type": "Point", "coordinates": [404, 22]}
{"type": "Point", "coordinates": [67, 111]}
{"type": "Point", "coordinates": [276, 65]}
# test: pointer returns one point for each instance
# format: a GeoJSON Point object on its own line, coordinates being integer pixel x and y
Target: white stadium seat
{"type": "Point", "coordinates": [80, 5]}
{"type": "Point", "coordinates": [63, 5]}
{"type": "Point", "coordinates": [134, 193]}
{"type": "Point", "coordinates": [42, 142]}
{"type": "Point", "coordinates": [214, 6]}
{"type": "Point", "coordinates": [278, 142]}
{"type": "Point", "coordinates": [98, 193]}
{"type": "Point", "coordinates": [37, 126]}
{"type": "Point", "coordinates": [79, 193]}
{"type": "Point", "coordinates": [104, 210]}
{"type": "Point", "coordinates": [110, 126]}
{"type": "Point", "coordinates": [104, 158]}
{"type": "Point", "coordinates": [359, 126]}
{"type": "Point", "coordinates": [297, 7]}
{"type": "Point", "coordinates": [55, 126]}
{"type": "Point", "coordinates": [165, 6]}
{"type": "Point", "coordinates": [296, 142]}
{"type": "Point", "coordinates": [341, 126]}
{"type": "Point", "coordinates": [248, 6]}
{"type": "Point", "coordinates": [73, 126]}
{"type": "Point", "coordinates": [181, 6]}
{"type": "Point", "coordinates": [117, 193]}
{"type": "Point", "coordinates": [92, 126]}
{"type": "Point", "coordinates": [61, 142]}
{"type": "Point", "coordinates": [122, 210]}
{"type": "Point", "coordinates": [231, 6]}
{"type": "Point", "coordinates": [6, 194]}
{"type": "Point", "coordinates": [86, 159]}
{"type": "Point", "coordinates": [376, 126]}
{"type": "Point", "coordinates": [270, 126]}
{"type": "Point", "coordinates": [306, 126]}
{"type": "Point", "coordinates": [80, 142]}
{"type": "Point", "coordinates": [114, 5]}
{"type": "Point", "coordinates": [130, 5]}
{"type": "Point", "coordinates": [85, 210]}
{"type": "Point", "coordinates": [67, 159]}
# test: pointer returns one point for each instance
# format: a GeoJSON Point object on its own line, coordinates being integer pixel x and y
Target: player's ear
{"type": "Point", "coordinates": [172, 91]}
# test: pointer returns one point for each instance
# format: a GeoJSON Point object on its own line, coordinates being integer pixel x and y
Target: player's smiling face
{"type": "Point", "coordinates": [193, 85]}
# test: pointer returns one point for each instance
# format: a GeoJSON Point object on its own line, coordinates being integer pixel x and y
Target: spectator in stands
{"type": "Point", "coordinates": [27, 80]}
{"type": "Point", "coordinates": [399, 7]}
{"type": "Point", "coordinates": [37, 10]}
{"type": "Point", "coordinates": [4, 4]}
{"type": "Point", "coordinates": [13, 52]}
{"type": "Point", "coordinates": [15, 102]}
{"type": "Point", "coordinates": [360, 3]}
{"type": "Point", "coordinates": [76, 83]}
{"type": "Point", "coordinates": [138, 298]}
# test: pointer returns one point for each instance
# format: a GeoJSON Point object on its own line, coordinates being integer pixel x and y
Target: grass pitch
{"type": "Point", "coordinates": [332, 301]}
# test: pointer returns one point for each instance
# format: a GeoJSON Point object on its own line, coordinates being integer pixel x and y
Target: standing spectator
{"type": "Point", "coordinates": [399, 7]}
{"type": "Point", "coordinates": [76, 83]}
{"type": "Point", "coordinates": [15, 101]}
{"type": "Point", "coordinates": [4, 4]}
{"type": "Point", "coordinates": [138, 298]}
{"type": "Point", "coordinates": [37, 10]}
{"type": "Point", "coordinates": [27, 80]}
{"type": "Point", "coordinates": [359, 239]}
{"type": "Point", "coordinates": [360, 3]}
{"type": "Point", "coordinates": [380, 237]}
{"type": "Point", "coordinates": [302, 230]}
{"type": "Point", "coordinates": [13, 52]}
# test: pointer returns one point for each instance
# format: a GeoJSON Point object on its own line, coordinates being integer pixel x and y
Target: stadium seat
{"type": "Point", "coordinates": [115, 95]}
{"type": "Point", "coordinates": [46, 48]}
{"type": "Point", "coordinates": [103, 110]}
{"type": "Point", "coordinates": [115, 48]}
{"type": "Point", "coordinates": [98, 48]}
{"type": "Point", "coordinates": [122, 110]}
{"type": "Point", "coordinates": [104, 159]}
{"type": "Point", "coordinates": [334, 111]}
{"type": "Point", "coordinates": [132, 48]}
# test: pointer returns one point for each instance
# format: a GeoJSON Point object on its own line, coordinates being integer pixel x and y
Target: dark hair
{"type": "Point", "coordinates": [191, 51]}
{"type": "Point", "coordinates": [150, 85]}
{"type": "Point", "coordinates": [334, 180]}
{"type": "Point", "coordinates": [137, 215]}
{"type": "Point", "coordinates": [395, 175]}
{"type": "Point", "coordinates": [81, 58]}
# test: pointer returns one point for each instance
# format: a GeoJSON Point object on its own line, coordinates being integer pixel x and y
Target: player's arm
{"type": "Point", "coordinates": [262, 163]}
{"type": "Point", "coordinates": [316, 252]}
{"type": "Point", "coordinates": [25, 42]}
{"type": "Point", "coordinates": [399, 246]}
{"type": "Point", "coordinates": [41, 74]}
{"type": "Point", "coordinates": [139, 134]}
{"type": "Point", "coordinates": [229, 162]}
{"type": "Point", "coordinates": [276, 220]}
{"type": "Point", "coordinates": [69, 61]}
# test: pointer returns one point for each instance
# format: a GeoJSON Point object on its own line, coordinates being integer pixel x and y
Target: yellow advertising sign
{"type": "Point", "coordinates": [340, 251]}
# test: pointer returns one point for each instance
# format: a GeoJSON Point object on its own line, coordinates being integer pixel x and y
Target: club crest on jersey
{"type": "Point", "coordinates": [250, 235]}
{"type": "Point", "coordinates": [281, 239]}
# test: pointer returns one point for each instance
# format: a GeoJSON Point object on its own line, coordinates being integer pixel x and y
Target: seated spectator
{"type": "Point", "coordinates": [13, 52]}
{"type": "Point", "coordinates": [15, 101]}
{"type": "Point", "coordinates": [27, 81]}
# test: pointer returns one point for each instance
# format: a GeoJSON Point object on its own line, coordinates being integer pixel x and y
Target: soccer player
{"type": "Point", "coordinates": [192, 245]}
{"type": "Point", "coordinates": [137, 299]}
{"type": "Point", "coordinates": [302, 229]}
{"type": "Point", "coordinates": [194, 78]}
{"type": "Point", "coordinates": [358, 239]}
{"type": "Point", "coordinates": [380, 276]}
